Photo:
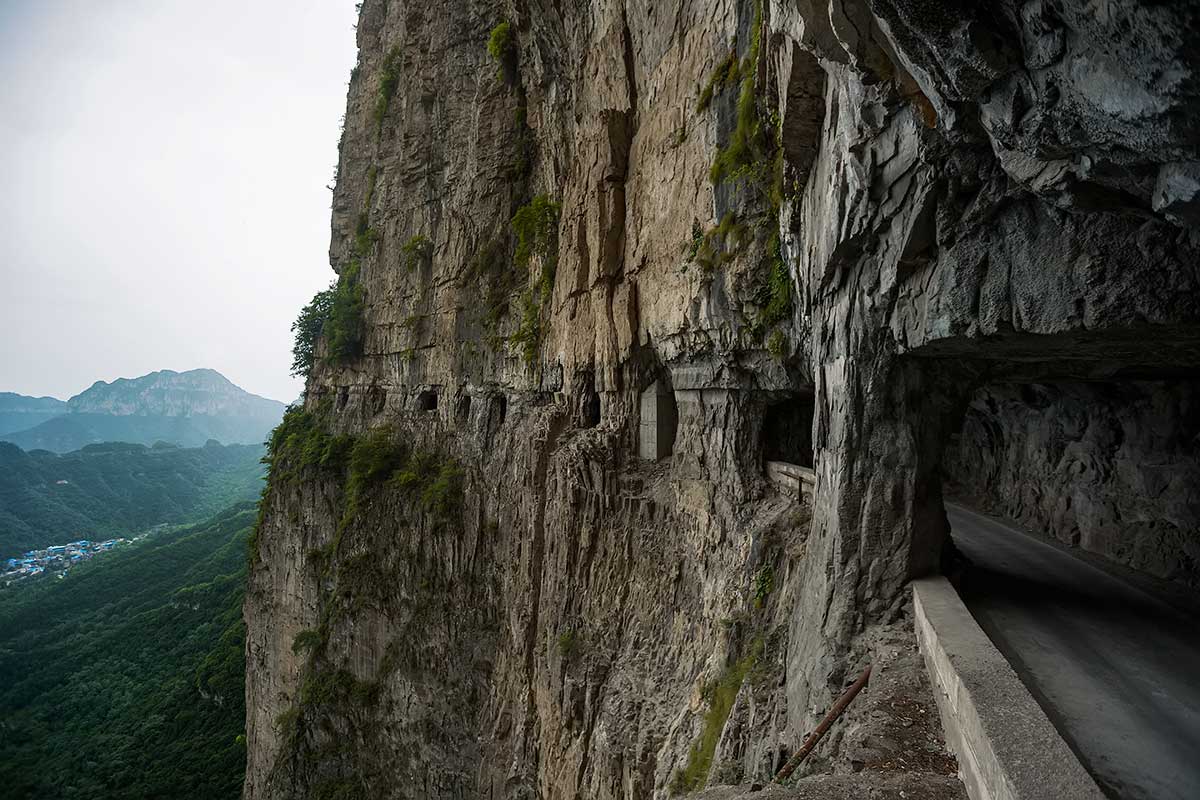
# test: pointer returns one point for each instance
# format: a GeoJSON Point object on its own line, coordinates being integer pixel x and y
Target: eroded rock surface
{"type": "Point", "coordinates": [911, 201]}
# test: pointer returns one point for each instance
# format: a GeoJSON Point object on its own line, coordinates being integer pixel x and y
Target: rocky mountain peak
{"type": "Point", "coordinates": [174, 394]}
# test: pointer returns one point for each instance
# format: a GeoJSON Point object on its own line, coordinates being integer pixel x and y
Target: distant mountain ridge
{"type": "Point", "coordinates": [173, 394]}
{"type": "Point", "coordinates": [19, 412]}
{"type": "Point", "coordinates": [184, 408]}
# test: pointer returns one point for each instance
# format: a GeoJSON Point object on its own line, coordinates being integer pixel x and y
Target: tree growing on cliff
{"type": "Point", "coordinates": [307, 329]}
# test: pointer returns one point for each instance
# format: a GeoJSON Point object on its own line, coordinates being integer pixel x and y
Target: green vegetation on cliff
{"type": "Point", "coordinates": [536, 227]}
{"type": "Point", "coordinates": [126, 679]}
{"type": "Point", "coordinates": [375, 475]}
{"type": "Point", "coordinates": [502, 47]}
{"type": "Point", "coordinates": [752, 161]}
{"type": "Point", "coordinates": [117, 489]}
{"type": "Point", "coordinates": [389, 81]}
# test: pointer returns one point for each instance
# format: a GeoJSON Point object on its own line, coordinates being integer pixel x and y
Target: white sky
{"type": "Point", "coordinates": [163, 173]}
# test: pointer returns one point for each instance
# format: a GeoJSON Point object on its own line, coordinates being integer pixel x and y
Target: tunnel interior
{"type": "Point", "coordinates": [787, 431]}
{"type": "Point", "coordinates": [1108, 466]}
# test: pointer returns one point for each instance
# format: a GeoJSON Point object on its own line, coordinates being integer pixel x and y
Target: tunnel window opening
{"type": "Point", "coordinates": [590, 409]}
{"type": "Point", "coordinates": [463, 412]}
{"type": "Point", "coordinates": [497, 410]}
{"type": "Point", "coordinates": [659, 422]}
{"type": "Point", "coordinates": [787, 431]}
{"type": "Point", "coordinates": [376, 398]}
{"type": "Point", "coordinates": [427, 401]}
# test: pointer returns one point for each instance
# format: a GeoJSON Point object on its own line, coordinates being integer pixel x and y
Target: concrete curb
{"type": "Point", "coordinates": [1006, 747]}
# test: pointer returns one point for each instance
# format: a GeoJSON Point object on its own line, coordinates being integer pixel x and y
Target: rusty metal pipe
{"type": "Point", "coordinates": [811, 740]}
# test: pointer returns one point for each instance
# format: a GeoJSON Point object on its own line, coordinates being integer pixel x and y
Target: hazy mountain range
{"type": "Point", "coordinates": [183, 408]}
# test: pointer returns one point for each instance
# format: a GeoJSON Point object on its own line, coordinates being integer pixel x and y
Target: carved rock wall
{"type": "Point", "coordinates": [964, 196]}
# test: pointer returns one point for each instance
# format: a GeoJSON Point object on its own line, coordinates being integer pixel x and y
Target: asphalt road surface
{"type": "Point", "coordinates": [1116, 670]}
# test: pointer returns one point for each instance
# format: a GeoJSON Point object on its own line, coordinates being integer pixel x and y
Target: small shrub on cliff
{"type": "Point", "coordinates": [536, 227]}
{"type": "Point", "coordinates": [415, 252]}
{"type": "Point", "coordinates": [335, 687]}
{"type": "Point", "coordinates": [502, 47]}
{"type": "Point", "coordinates": [777, 346]}
{"type": "Point", "coordinates": [443, 495]}
{"type": "Point", "coordinates": [306, 640]}
{"type": "Point", "coordinates": [568, 644]}
{"type": "Point", "coordinates": [286, 723]}
{"type": "Point", "coordinates": [389, 81]}
{"type": "Point", "coordinates": [764, 582]}
{"type": "Point", "coordinates": [365, 236]}
{"type": "Point", "coordinates": [375, 456]}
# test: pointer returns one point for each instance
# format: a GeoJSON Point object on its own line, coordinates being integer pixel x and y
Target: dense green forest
{"type": "Point", "coordinates": [125, 679]}
{"type": "Point", "coordinates": [116, 489]}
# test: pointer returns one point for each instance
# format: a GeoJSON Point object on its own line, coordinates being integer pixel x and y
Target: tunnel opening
{"type": "Point", "coordinates": [427, 400]}
{"type": "Point", "coordinates": [786, 433]}
{"type": "Point", "coordinates": [462, 414]}
{"type": "Point", "coordinates": [1111, 467]}
{"type": "Point", "coordinates": [496, 411]}
{"type": "Point", "coordinates": [1074, 522]}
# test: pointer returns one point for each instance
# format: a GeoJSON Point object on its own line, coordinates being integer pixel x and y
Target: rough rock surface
{"type": "Point", "coordinates": [1110, 467]}
{"type": "Point", "coordinates": [961, 196]}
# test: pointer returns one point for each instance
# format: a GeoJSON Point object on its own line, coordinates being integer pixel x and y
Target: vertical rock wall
{"type": "Point", "coordinates": [869, 209]}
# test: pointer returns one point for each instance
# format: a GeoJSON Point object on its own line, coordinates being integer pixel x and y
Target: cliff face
{"type": "Point", "coordinates": [521, 543]}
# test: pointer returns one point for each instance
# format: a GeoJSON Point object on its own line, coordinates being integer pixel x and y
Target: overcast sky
{"type": "Point", "coordinates": [163, 174]}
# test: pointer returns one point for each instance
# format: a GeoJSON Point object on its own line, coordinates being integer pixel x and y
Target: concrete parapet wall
{"type": "Point", "coordinates": [1007, 749]}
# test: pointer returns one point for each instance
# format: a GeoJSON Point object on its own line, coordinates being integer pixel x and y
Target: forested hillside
{"type": "Point", "coordinates": [125, 679]}
{"type": "Point", "coordinates": [112, 489]}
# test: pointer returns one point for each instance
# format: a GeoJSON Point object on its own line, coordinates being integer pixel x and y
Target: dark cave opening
{"type": "Point", "coordinates": [427, 400]}
{"type": "Point", "coordinates": [462, 414]}
{"type": "Point", "coordinates": [787, 431]}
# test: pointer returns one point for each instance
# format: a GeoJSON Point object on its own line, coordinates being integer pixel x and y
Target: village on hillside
{"type": "Point", "coordinates": [57, 559]}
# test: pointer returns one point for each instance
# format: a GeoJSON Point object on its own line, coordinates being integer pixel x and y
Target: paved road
{"type": "Point", "coordinates": [1117, 671]}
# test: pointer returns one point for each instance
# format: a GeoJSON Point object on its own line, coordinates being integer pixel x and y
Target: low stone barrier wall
{"type": "Point", "coordinates": [1007, 749]}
